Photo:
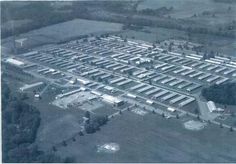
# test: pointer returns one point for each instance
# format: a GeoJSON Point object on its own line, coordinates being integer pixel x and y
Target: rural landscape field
{"type": "Point", "coordinates": [118, 81]}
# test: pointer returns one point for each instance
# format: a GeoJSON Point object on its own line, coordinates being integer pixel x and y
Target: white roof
{"type": "Point", "coordinates": [171, 109]}
{"type": "Point", "coordinates": [111, 99]}
{"type": "Point", "coordinates": [108, 88]}
{"type": "Point", "coordinates": [211, 106]}
{"type": "Point", "coordinates": [96, 93]}
{"type": "Point", "coordinates": [21, 40]}
{"type": "Point", "coordinates": [14, 62]}
{"type": "Point", "coordinates": [83, 81]}
{"type": "Point", "coordinates": [149, 102]}
{"type": "Point", "coordinates": [131, 95]}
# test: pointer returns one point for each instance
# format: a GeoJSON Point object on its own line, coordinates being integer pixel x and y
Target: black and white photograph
{"type": "Point", "coordinates": [118, 81]}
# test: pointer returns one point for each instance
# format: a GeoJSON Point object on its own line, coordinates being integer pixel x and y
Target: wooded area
{"type": "Point", "coordinates": [20, 123]}
{"type": "Point", "coordinates": [223, 94]}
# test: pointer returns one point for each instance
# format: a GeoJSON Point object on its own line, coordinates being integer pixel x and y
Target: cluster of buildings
{"type": "Point", "coordinates": [136, 68]}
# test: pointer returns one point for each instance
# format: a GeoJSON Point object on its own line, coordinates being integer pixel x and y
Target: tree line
{"type": "Point", "coordinates": [44, 14]}
{"type": "Point", "coordinates": [223, 93]}
{"type": "Point", "coordinates": [20, 123]}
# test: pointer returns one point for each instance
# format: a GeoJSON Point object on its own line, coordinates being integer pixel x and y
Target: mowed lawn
{"type": "Point", "coordinates": [151, 138]}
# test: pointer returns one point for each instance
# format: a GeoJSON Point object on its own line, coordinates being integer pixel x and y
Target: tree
{"type": "Point", "coordinates": [87, 114]}
{"type": "Point", "coordinates": [69, 160]}
{"type": "Point", "coordinates": [153, 45]}
{"type": "Point", "coordinates": [205, 56]}
{"type": "Point", "coordinates": [198, 117]}
{"type": "Point", "coordinates": [163, 115]}
{"type": "Point", "coordinates": [54, 148]}
{"type": "Point", "coordinates": [221, 125]}
{"type": "Point", "coordinates": [196, 111]}
{"type": "Point", "coordinates": [95, 124]}
{"type": "Point", "coordinates": [177, 116]}
{"type": "Point", "coordinates": [64, 143]}
{"type": "Point", "coordinates": [224, 93]}
{"type": "Point", "coordinates": [81, 133]}
{"type": "Point", "coordinates": [24, 96]}
{"type": "Point", "coordinates": [232, 114]}
{"type": "Point", "coordinates": [170, 47]}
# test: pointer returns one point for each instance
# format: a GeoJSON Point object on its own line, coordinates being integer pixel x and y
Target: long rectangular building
{"type": "Point", "coordinates": [167, 80]}
{"type": "Point", "coordinates": [144, 89]}
{"type": "Point", "coordinates": [159, 78]}
{"type": "Point", "coordinates": [213, 78]}
{"type": "Point", "coordinates": [137, 86]}
{"type": "Point", "coordinates": [152, 91]}
{"type": "Point", "coordinates": [124, 82]}
{"type": "Point", "coordinates": [160, 94]}
{"type": "Point", "coordinates": [175, 100]}
{"type": "Point", "coordinates": [117, 80]}
{"type": "Point", "coordinates": [194, 87]}
{"type": "Point", "coordinates": [204, 76]}
{"type": "Point", "coordinates": [169, 96]}
{"type": "Point", "coordinates": [175, 82]}
{"type": "Point", "coordinates": [184, 85]}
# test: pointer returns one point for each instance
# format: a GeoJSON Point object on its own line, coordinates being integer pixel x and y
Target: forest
{"type": "Point", "coordinates": [20, 123]}
{"type": "Point", "coordinates": [223, 94]}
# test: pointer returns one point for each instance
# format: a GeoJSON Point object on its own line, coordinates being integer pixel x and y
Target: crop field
{"type": "Point", "coordinates": [153, 139]}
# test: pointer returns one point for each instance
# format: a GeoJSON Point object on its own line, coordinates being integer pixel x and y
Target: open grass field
{"type": "Point", "coordinates": [151, 138]}
{"type": "Point", "coordinates": [216, 43]}
{"type": "Point", "coordinates": [153, 34]}
{"type": "Point", "coordinates": [64, 31]}
{"type": "Point", "coordinates": [73, 28]}
{"type": "Point", "coordinates": [56, 124]}
{"type": "Point", "coordinates": [187, 8]}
